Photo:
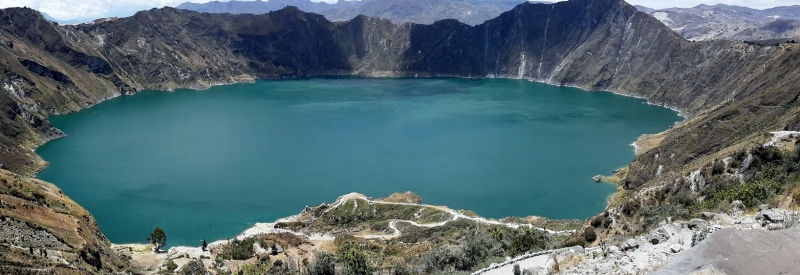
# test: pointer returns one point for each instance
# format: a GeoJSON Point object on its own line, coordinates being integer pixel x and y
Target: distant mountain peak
{"type": "Point", "coordinates": [731, 22]}
{"type": "Point", "coordinates": [472, 12]}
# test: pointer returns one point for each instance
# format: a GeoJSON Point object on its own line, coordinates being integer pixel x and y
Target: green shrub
{"type": "Point", "coordinates": [525, 240]}
{"type": "Point", "coordinates": [171, 266]}
{"type": "Point", "coordinates": [254, 269]}
{"type": "Point", "coordinates": [355, 261]}
{"type": "Point", "coordinates": [238, 250]}
{"type": "Point", "coordinates": [446, 258]}
{"type": "Point", "coordinates": [479, 248]}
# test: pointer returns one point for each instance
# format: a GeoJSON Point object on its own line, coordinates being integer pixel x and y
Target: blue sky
{"type": "Point", "coordinates": [88, 10]}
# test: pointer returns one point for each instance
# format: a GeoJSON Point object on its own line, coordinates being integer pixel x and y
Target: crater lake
{"type": "Point", "coordinates": [208, 164]}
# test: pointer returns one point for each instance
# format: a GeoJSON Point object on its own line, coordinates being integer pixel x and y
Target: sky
{"type": "Point", "coordinates": [87, 10]}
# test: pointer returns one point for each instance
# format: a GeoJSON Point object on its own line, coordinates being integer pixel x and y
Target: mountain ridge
{"type": "Point", "coordinates": [730, 22]}
{"type": "Point", "coordinates": [413, 11]}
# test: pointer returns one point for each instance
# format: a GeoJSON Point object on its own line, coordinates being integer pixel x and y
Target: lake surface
{"type": "Point", "coordinates": [208, 164]}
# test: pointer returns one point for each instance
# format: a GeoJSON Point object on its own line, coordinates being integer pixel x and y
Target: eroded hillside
{"type": "Point", "coordinates": [42, 231]}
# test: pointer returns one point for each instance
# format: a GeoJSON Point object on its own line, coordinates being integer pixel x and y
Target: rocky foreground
{"type": "Point", "coordinates": [718, 243]}
{"type": "Point", "coordinates": [743, 243]}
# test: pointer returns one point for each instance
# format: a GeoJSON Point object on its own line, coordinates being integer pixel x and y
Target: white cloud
{"type": "Point", "coordinates": [89, 9]}
{"type": "Point", "coordinates": [92, 9]}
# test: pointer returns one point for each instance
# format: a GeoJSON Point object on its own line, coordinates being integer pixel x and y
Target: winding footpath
{"type": "Point", "coordinates": [454, 215]}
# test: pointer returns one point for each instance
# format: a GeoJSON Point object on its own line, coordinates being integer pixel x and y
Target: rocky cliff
{"type": "Point", "coordinates": [731, 92]}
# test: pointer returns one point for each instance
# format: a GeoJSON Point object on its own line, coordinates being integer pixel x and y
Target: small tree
{"type": "Point", "coordinates": [158, 238]}
{"type": "Point", "coordinates": [516, 270]}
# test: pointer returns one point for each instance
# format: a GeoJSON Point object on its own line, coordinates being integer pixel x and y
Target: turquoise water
{"type": "Point", "coordinates": [208, 164]}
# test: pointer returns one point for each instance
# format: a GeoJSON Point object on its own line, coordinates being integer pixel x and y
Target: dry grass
{"type": "Point", "coordinates": [649, 142]}
{"type": "Point", "coordinates": [42, 206]}
{"type": "Point", "coordinates": [41, 203]}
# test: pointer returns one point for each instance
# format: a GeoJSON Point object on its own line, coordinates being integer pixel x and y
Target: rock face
{"type": "Point", "coordinates": [732, 251]}
{"type": "Point", "coordinates": [471, 12]}
{"type": "Point", "coordinates": [728, 22]}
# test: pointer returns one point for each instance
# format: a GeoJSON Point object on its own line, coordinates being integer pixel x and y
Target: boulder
{"type": "Point", "coordinates": [598, 178]}
{"type": "Point", "coordinates": [775, 226]}
{"type": "Point", "coordinates": [577, 249]}
{"type": "Point", "coordinates": [659, 236]}
{"type": "Point", "coordinates": [774, 217]}
{"type": "Point", "coordinates": [675, 248]}
{"type": "Point", "coordinates": [534, 271]}
{"type": "Point", "coordinates": [733, 251]}
{"type": "Point", "coordinates": [697, 224]}
{"type": "Point", "coordinates": [629, 245]}
{"type": "Point", "coordinates": [737, 206]}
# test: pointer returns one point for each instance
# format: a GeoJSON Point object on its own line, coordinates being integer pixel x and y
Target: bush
{"type": "Point", "coordinates": [446, 258]}
{"type": "Point", "coordinates": [171, 266]}
{"type": "Point", "coordinates": [766, 155]}
{"type": "Point", "coordinates": [355, 261]}
{"type": "Point", "coordinates": [717, 168]}
{"type": "Point", "coordinates": [589, 235]}
{"type": "Point", "coordinates": [526, 240]}
{"type": "Point", "coordinates": [478, 248]}
{"type": "Point", "coordinates": [195, 267]}
{"type": "Point", "coordinates": [605, 221]}
{"type": "Point", "coordinates": [401, 269]}
{"type": "Point", "coordinates": [750, 193]}
{"type": "Point", "coordinates": [324, 264]}
{"type": "Point", "coordinates": [254, 269]}
{"type": "Point", "coordinates": [652, 215]}
{"type": "Point", "coordinates": [473, 251]}
{"type": "Point", "coordinates": [238, 250]}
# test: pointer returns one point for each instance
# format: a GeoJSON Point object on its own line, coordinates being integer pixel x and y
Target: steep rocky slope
{"type": "Point", "coordinates": [732, 93]}
{"type": "Point", "coordinates": [44, 232]}
{"type": "Point", "coordinates": [726, 22]}
{"type": "Point", "coordinates": [472, 12]}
